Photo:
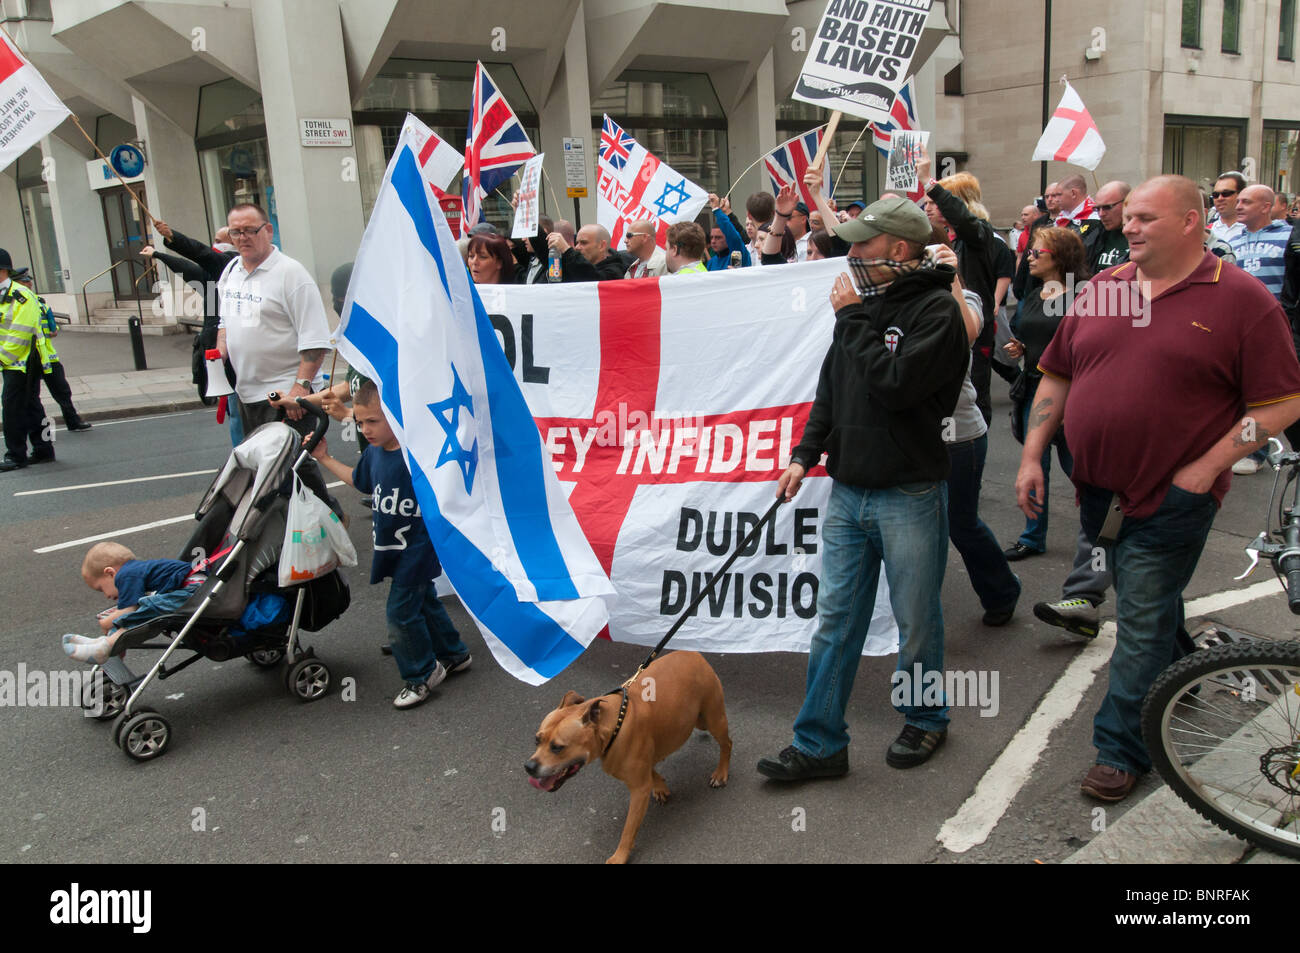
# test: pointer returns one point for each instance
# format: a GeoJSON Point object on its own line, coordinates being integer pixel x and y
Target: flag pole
{"type": "Point", "coordinates": [551, 190]}
{"type": "Point", "coordinates": [836, 184]}
{"type": "Point", "coordinates": [95, 146]}
{"type": "Point", "coordinates": [736, 180]}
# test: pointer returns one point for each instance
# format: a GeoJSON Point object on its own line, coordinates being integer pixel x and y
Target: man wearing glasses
{"type": "Point", "coordinates": [1111, 248]}
{"type": "Point", "coordinates": [651, 261]}
{"type": "Point", "coordinates": [273, 327]}
{"type": "Point", "coordinates": [1226, 189]}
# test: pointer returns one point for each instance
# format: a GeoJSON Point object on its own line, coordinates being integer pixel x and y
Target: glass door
{"type": "Point", "coordinates": [124, 221]}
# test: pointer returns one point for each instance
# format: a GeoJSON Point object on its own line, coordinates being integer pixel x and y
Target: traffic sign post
{"type": "Point", "coordinates": [575, 174]}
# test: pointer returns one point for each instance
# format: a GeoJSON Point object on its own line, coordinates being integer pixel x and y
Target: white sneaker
{"type": "Point", "coordinates": [436, 676]}
{"type": "Point", "coordinates": [1245, 467]}
{"type": "Point", "coordinates": [411, 695]}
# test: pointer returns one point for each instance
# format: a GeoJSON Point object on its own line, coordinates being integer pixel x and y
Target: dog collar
{"type": "Point", "coordinates": [622, 713]}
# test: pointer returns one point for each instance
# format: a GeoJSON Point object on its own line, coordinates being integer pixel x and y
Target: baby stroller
{"type": "Point", "coordinates": [237, 542]}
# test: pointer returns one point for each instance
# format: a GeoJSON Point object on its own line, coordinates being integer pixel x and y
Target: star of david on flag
{"type": "Point", "coordinates": [494, 510]}
{"type": "Point", "coordinates": [633, 185]}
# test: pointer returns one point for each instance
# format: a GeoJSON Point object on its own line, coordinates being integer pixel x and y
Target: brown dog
{"type": "Point", "coordinates": [675, 694]}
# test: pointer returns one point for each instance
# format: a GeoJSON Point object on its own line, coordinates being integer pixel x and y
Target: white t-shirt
{"type": "Point", "coordinates": [269, 316]}
{"type": "Point", "coordinates": [1223, 230]}
{"type": "Point", "coordinates": [801, 246]}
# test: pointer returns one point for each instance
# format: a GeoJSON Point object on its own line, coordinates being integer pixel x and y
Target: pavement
{"type": "Point", "coordinates": [1158, 829]}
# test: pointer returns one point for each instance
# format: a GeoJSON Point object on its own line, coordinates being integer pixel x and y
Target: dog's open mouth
{"type": "Point", "coordinates": [553, 782]}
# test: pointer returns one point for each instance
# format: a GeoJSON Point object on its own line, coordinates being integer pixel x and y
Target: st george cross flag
{"type": "Point", "coordinates": [495, 146]}
{"type": "Point", "coordinates": [439, 161]}
{"type": "Point", "coordinates": [29, 110]}
{"type": "Point", "coordinates": [506, 537]}
{"type": "Point", "coordinates": [790, 160]}
{"type": "Point", "coordinates": [670, 407]}
{"type": "Point", "coordinates": [632, 185]}
{"type": "Point", "coordinates": [1071, 135]}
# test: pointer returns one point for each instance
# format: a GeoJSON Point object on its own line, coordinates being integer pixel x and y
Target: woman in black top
{"type": "Point", "coordinates": [1057, 259]}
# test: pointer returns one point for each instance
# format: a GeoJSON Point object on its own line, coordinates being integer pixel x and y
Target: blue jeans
{"type": "Point", "coordinates": [420, 631]}
{"type": "Point", "coordinates": [1151, 562]}
{"type": "Point", "coordinates": [1035, 534]}
{"type": "Point", "coordinates": [990, 575]}
{"type": "Point", "coordinates": [234, 421]}
{"type": "Point", "coordinates": [906, 527]}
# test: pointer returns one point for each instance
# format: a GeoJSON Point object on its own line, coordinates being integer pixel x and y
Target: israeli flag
{"type": "Point", "coordinates": [503, 529]}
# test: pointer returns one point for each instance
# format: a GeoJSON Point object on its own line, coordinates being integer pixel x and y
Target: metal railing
{"type": "Point", "coordinates": [137, 335]}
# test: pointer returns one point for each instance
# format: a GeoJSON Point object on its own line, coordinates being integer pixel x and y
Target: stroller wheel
{"type": "Point", "coordinates": [308, 679]}
{"type": "Point", "coordinates": [266, 658]}
{"type": "Point", "coordinates": [144, 736]}
{"type": "Point", "coordinates": [103, 699]}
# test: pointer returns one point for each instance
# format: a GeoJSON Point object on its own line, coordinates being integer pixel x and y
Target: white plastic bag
{"type": "Point", "coordinates": [315, 541]}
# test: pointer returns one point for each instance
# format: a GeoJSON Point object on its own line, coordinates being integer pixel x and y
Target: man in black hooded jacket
{"type": "Point", "coordinates": [888, 384]}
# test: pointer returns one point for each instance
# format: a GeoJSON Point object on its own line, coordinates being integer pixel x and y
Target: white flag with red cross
{"type": "Point", "coordinates": [669, 408]}
{"type": "Point", "coordinates": [633, 185]}
{"type": "Point", "coordinates": [29, 110]}
{"type": "Point", "coordinates": [1071, 135]}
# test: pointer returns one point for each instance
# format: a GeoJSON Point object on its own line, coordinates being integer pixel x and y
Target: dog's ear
{"type": "Point", "coordinates": [571, 698]}
{"type": "Point", "coordinates": [592, 715]}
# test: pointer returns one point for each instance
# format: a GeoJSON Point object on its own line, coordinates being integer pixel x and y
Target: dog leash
{"type": "Point", "coordinates": [686, 614]}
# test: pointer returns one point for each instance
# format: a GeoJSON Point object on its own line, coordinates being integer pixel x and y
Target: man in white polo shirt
{"type": "Point", "coordinates": [273, 327]}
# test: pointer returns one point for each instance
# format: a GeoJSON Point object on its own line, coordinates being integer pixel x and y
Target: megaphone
{"type": "Point", "coordinates": [218, 383]}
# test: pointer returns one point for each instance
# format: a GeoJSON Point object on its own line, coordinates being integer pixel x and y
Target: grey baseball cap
{"type": "Point", "coordinates": [897, 216]}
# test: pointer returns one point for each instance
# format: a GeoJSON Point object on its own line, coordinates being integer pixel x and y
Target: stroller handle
{"type": "Point", "coordinates": [322, 422]}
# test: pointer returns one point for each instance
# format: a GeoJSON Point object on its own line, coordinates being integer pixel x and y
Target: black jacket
{"type": "Point", "coordinates": [977, 250]}
{"type": "Point", "coordinates": [880, 413]}
{"type": "Point", "coordinates": [577, 268]}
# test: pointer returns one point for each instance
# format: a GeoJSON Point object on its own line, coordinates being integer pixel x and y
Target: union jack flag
{"type": "Point", "coordinates": [496, 145]}
{"type": "Point", "coordinates": [615, 144]}
{"type": "Point", "coordinates": [787, 164]}
{"type": "Point", "coordinates": [903, 114]}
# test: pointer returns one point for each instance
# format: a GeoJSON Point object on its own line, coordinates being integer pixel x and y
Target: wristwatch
{"type": "Point", "coordinates": [304, 382]}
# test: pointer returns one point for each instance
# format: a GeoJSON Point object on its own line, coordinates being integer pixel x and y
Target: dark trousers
{"type": "Point", "coordinates": [986, 566]}
{"type": "Point", "coordinates": [981, 375]}
{"type": "Point", "coordinates": [261, 412]}
{"type": "Point", "coordinates": [56, 382]}
{"type": "Point", "coordinates": [24, 416]}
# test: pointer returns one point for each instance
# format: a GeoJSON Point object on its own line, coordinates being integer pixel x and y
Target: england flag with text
{"type": "Point", "coordinates": [498, 518]}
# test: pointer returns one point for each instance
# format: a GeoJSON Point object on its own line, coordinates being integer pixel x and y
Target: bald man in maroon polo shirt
{"type": "Point", "coordinates": [1148, 368]}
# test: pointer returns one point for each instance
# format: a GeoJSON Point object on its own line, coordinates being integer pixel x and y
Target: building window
{"type": "Point", "coordinates": [438, 93]}
{"type": "Point", "coordinates": [855, 164]}
{"type": "Point", "coordinates": [1286, 31]}
{"type": "Point", "coordinates": [38, 221]}
{"type": "Point", "coordinates": [677, 116]}
{"type": "Point", "coordinates": [1230, 42]}
{"type": "Point", "coordinates": [111, 132]}
{"type": "Point", "coordinates": [1192, 24]}
{"type": "Point", "coordinates": [952, 82]}
{"type": "Point", "coordinates": [1278, 163]}
{"type": "Point", "coordinates": [1202, 148]}
{"type": "Point", "coordinates": [234, 162]}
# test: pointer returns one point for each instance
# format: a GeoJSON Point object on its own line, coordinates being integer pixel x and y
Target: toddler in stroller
{"type": "Point", "coordinates": [227, 603]}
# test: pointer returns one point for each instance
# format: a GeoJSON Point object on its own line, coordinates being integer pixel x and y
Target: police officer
{"type": "Point", "coordinates": [20, 362]}
{"type": "Point", "coordinates": [56, 380]}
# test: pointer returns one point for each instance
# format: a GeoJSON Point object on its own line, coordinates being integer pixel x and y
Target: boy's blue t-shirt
{"type": "Point", "coordinates": [403, 551]}
{"type": "Point", "coordinates": [136, 578]}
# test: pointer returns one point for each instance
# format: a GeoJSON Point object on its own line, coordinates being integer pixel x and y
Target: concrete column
{"type": "Point", "coordinates": [13, 237]}
{"type": "Point", "coordinates": [78, 230]}
{"type": "Point", "coordinates": [751, 132]}
{"type": "Point", "coordinates": [173, 188]}
{"type": "Point", "coordinates": [566, 111]}
{"type": "Point", "coordinates": [317, 194]}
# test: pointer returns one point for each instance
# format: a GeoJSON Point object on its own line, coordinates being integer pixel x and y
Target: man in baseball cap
{"type": "Point", "coordinates": [890, 380]}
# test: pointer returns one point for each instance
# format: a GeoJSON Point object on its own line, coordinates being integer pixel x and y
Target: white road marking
{"type": "Point", "coordinates": [112, 533]}
{"type": "Point", "coordinates": [132, 420]}
{"type": "Point", "coordinates": [976, 818]}
{"type": "Point", "coordinates": [91, 486]}
{"type": "Point", "coordinates": [130, 529]}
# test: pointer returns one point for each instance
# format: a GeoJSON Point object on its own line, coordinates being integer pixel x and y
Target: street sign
{"type": "Point", "coordinates": [575, 168]}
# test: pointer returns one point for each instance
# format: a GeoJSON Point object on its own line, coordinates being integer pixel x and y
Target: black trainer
{"type": "Point", "coordinates": [793, 765]}
{"type": "Point", "coordinates": [914, 746]}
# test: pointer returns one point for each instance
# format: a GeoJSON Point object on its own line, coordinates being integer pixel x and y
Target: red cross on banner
{"type": "Point", "coordinates": [1071, 135]}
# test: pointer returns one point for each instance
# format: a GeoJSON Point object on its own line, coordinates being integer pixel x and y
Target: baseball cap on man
{"type": "Point", "coordinates": [856, 202]}
{"type": "Point", "coordinates": [899, 216]}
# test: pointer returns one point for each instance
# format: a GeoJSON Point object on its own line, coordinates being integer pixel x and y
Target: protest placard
{"type": "Point", "coordinates": [906, 147]}
{"type": "Point", "coordinates": [530, 182]}
{"type": "Point", "coordinates": [861, 55]}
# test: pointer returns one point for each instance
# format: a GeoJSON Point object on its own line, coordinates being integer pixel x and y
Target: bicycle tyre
{"type": "Point", "coordinates": [1249, 788]}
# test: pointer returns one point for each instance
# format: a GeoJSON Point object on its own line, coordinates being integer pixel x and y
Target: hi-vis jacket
{"type": "Point", "coordinates": [20, 326]}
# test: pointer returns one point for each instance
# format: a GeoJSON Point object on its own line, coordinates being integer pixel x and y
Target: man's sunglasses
{"type": "Point", "coordinates": [1226, 193]}
{"type": "Point", "coordinates": [1107, 208]}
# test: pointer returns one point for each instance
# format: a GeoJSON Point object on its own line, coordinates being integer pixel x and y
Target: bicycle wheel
{"type": "Point", "coordinates": [1222, 727]}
